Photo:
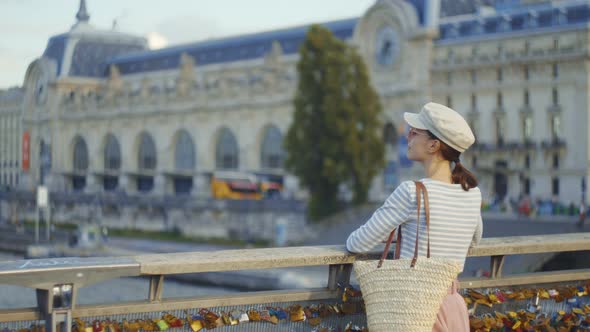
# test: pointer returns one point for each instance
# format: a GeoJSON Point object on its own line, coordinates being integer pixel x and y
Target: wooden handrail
{"type": "Point", "coordinates": [44, 274]}
{"type": "Point", "coordinates": [37, 273]}
{"type": "Point", "coordinates": [516, 245]}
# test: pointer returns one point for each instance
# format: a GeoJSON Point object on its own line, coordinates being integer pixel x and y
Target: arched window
{"type": "Point", "coordinates": [147, 153]}
{"type": "Point", "coordinates": [112, 162]}
{"type": "Point", "coordinates": [80, 154]}
{"type": "Point", "coordinates": [226, 153]}
{"type": "Point", "coordinates": [389, 134]}
{"type": "Point", "coordinates": [80, 163]}
{"type": "Point", "coordinates": [184, 160]}
{"type": "Point", "coordinates": [112, 153]}
{"type": "Point", "coordinates": [392, 155]}
{"type": "Point", "coordinates": [146, 162]}
{"type": "Point", "coordinates": [272, 154]}
{"type": "Point", "coordinates": [184, 152]}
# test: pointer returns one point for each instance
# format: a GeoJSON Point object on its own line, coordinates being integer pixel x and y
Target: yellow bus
{"type": "Point", "coordinates": [235, 185]}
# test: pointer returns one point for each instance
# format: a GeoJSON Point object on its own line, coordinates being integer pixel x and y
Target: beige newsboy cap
{"type": "Point", "coordinates": [445, 123]}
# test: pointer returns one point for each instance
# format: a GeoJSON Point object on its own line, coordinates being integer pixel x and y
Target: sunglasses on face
{"type": "Point", "coordinates": [417, 132]}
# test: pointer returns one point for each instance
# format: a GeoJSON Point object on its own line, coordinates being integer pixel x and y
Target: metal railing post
{"type": "Point", "coordinates": [156, 288]}
{"type": "Point", "coordinates": [55, 306]}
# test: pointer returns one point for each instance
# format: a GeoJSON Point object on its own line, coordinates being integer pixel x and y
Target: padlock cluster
{"type": "Point", "coordinates": [206, 319]}
{"type": "Point", "coordinates": [535, 318]}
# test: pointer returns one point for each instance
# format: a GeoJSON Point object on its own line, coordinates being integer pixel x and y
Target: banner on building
{"type": "Point", "coordinates": [26, 151]}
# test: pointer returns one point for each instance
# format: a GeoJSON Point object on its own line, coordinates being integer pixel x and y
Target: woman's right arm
{"type": "Point", "coordinates": [394, 211]}
{"type": "Point", "coordinates": [478, 232]}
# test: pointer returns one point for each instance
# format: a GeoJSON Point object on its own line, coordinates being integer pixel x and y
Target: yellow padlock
{"type": "Point", "coordinates": [516, 325]}
{"type": "Point", "coordinates": [196, 325]}
{"type": "Point", "coordinates": [501, 315]}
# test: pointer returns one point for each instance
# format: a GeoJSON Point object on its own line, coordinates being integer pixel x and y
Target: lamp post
{"type": "Point", "coordinates": [42, 191]}
{"type": "Point", "coordinates": [583, 204]}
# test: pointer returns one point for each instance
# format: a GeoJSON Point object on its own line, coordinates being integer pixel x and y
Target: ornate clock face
{"type": "Point", "coordinates": [41, 90]}
{"type": "Point", "coordinates": [387, 46]}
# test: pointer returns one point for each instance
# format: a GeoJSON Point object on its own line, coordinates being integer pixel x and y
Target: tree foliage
{"type": "Point", "coordinates": [334, 136]}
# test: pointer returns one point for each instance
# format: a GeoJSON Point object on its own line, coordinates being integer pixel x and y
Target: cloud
{"type": "Point", "coordinates": [156, 40]}
{"type": "Point", "coordinates": [187, 29]}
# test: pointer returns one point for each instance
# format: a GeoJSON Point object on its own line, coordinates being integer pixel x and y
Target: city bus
{"type": "Point", "coordinates": [235, 185]}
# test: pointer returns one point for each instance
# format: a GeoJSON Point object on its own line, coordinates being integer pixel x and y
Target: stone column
{"type": "Point", "coordinates": [93, 184]}
{"type": "Point", "coordinates": [56, 182]}
{"type": "Point", "coordinates": [126, 183]}
{"type": "Point", "coordinates": [168, 184]}
{"type": "Point", "coordinates": [201, 186]}
{"type": "Point", "coordinates": [26, 181]}
{"type": "Point", "coordinates": [159, 184]}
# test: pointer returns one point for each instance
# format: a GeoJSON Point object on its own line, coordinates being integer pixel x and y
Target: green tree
{"type": "Point", "coordinates": [366, 150]}
{"type": "Point", "coordinates": [334, 135]}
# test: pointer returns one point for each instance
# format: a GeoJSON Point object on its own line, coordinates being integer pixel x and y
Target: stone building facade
{"type": "Point", "coordinates": [98, 111]}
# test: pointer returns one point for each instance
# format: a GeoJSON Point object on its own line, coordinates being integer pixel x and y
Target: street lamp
{"type": "Point", "coordinates": [42, 192]}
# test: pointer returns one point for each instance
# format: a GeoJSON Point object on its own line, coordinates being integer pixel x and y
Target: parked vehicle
{"type": "Point", "coordinates": [235, 185]}
{"type": "Point", "coordinates": [271, 185]}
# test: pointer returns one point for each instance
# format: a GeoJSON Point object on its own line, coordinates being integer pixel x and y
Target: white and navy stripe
{"type": "Point", "coordinates": [455, 221]}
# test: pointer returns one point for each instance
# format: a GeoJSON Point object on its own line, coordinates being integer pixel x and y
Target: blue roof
{"type": "Point", "coordinates": [512, 16]}
{"type": "Point", "coordinates": [55, 50]}
{"type": "Point", "coordinates": [89, 55]}
{"type": "Point", "coordinates": [520, 18]}
{"type": "Point", "coordinates": [236, 48]}
{"type": "Point", "coordinates": [420, 6]}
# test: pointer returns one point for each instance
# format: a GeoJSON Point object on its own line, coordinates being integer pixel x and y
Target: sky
{"type": "Point", "coordinates": [26, 25]}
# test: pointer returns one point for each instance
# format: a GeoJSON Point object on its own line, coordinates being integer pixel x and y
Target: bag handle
{"type": "Point", "coordinates": [420, 189]}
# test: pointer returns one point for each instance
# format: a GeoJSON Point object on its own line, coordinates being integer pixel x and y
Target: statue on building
{"type": "Point", "coordinates": [114, 84]}
{"type": "Point", "coordinates": [186, 77]}
{"type": "Point", "coordinates": [272, 67]}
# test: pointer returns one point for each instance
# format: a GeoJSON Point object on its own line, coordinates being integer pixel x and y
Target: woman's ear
{"type": "Point", "coordinates": [433, 146]}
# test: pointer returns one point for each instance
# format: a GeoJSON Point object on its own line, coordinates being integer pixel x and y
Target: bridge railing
{"type": "Point", "coordinates": [59, 280]}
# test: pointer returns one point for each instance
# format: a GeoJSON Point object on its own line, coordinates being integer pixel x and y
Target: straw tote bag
{"type": "Point", "coordinates": [405, 294]}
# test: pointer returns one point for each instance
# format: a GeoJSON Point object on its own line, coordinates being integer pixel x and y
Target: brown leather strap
{"type": "Point", "coordinates": [388, 244]}
{"type": "Point", "coordinates": [427, 214]}
{"type": "Point", "coordinates": [386, 250]}
{"type": "Point", "coordinates": [418, 202]}
{"type": "Point", "coordinates": [398, 244]}
{"type": "Point", "coordinates": [420, 189]}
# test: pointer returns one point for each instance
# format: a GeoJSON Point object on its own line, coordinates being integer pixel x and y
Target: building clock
{"type": "Point", "coordinates": [41, 90]}
{"type": "Point", "coordinates": [387, 46]}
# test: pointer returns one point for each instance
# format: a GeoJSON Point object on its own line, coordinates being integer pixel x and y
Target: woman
{"type": "Point", "coordinates": [437, 137]}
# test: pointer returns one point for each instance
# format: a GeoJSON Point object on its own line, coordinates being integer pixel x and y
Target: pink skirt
{"type": "Point", "coordinates": [452, 315]}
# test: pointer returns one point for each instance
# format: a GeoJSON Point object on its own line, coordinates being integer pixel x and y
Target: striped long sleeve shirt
{"type": "Point", "coordinates": [455, 221]}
